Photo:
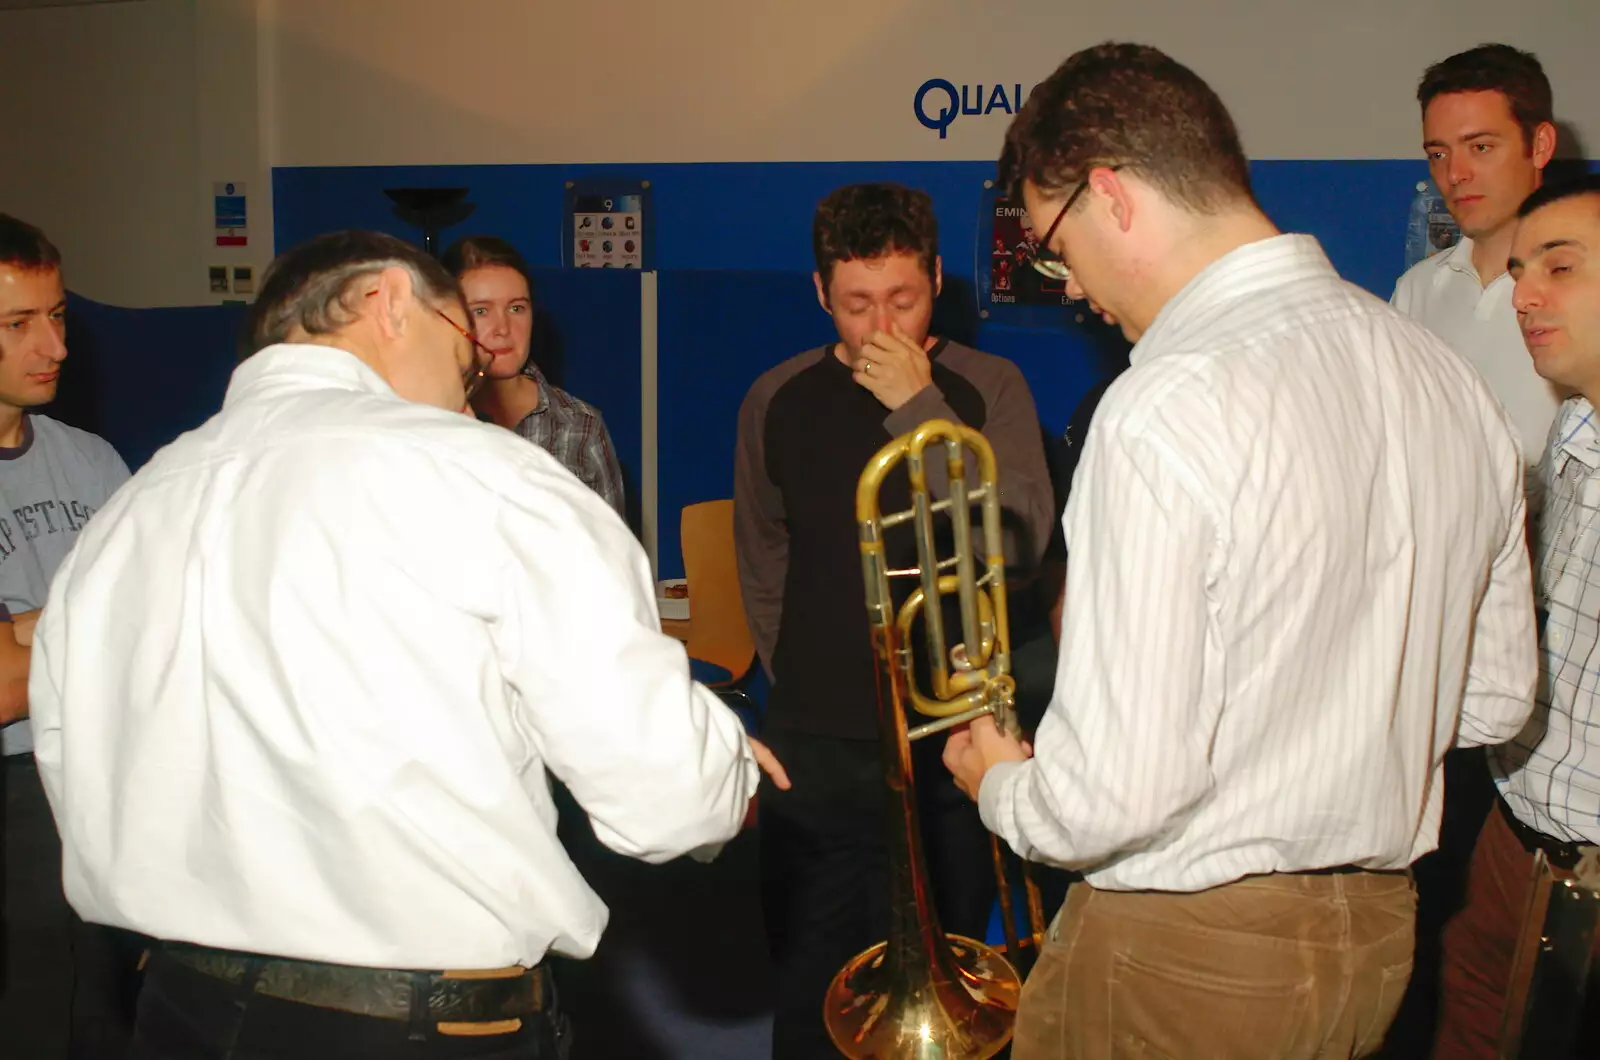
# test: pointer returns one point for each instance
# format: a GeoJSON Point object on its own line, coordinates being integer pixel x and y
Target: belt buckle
{"type": "Point", "coordinates": [489, 1028]}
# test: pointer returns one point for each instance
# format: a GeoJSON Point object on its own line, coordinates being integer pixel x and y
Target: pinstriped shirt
{"type": "Point", "coordinates": [1297, 575]}
{"type": "Point", "coordinates": [574, 433]}
{"type": "Point", "coordinates": [1550, 774]}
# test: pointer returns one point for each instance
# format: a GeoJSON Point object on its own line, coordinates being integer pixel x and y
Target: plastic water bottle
{"type": "Point", "coordinates": [1429, 228]}
{"type": "Point", "coordinates": [1417, 225]}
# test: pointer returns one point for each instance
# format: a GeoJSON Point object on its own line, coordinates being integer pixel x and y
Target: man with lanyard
{"type": "Point", "coordinates": [1296, 577]}
{"type": "Point", "coordinates": [1549, 776]}
{"type": "Point", "coordinates": [298, 687]}
{"type": "Point", "coordinates": [52, 479]}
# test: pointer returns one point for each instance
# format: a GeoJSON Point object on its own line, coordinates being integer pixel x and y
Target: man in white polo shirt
{"type": "Point", "coordinates": [1488, 133]}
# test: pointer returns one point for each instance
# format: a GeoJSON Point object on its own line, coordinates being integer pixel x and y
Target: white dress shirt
{"type": "Point", "coordinates": [1296, 577]}
{"type": "Point", "coordinates": [1550, 774]}
{"type": "Point", "coordinates": [1446, 296]}
{"type": "Point", "coordinates": [296, 689]}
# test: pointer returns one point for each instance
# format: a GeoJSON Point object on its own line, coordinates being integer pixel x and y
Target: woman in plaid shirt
{"type": "Point", "coordinates": [499, 293]}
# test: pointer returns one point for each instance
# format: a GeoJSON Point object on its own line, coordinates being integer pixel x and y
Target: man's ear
{"type": "Point", "coordinates": [393, 297]}
{"type": "Point", "coordinates": [1106, 182]}
{"type": "Point", "coordinates": [1544, 144]}
{"type": "Point", "coordinates": [938, 275]}
{"type": "Point", "coordinates": [822, 293]}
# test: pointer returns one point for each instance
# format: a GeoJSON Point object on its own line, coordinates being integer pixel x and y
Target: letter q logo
{"type": "Point", "coordinates": [947, 114]}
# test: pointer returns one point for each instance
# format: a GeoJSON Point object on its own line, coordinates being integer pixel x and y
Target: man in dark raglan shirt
{"type": "Point", "coordinates": [806, 431]}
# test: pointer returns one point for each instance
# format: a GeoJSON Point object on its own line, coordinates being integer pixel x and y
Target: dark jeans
{"type": "Point", "coordinates": [824, 878]}
{"type": "Point", "coordinates": [67, 988]}
{"type": "Point", "coordinates": [186, 1015]}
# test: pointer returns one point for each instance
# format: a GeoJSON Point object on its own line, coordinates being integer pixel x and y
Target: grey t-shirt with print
{"type": "Point", "coordinates": [49, 487]}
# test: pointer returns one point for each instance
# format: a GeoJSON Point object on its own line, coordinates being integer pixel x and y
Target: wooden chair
{"type": "Point", "coordinates": [721, 651]}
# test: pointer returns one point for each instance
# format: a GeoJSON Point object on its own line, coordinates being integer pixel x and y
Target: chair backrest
{"type": "Point", "coordinates": [718, 632]}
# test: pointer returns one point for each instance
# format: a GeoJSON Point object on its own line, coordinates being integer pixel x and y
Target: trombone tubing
{"type": "Point", "coordinates": [872, 522]}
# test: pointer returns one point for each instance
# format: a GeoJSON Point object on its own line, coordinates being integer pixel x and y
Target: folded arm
{"type": "Point", "coordinates": [16, 639]}
{"type": "Point", "coordinates": [1027, 496]}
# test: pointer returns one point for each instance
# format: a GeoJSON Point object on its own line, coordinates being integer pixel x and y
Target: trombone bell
{"type": "Point", "coordinates": [879, 1007]}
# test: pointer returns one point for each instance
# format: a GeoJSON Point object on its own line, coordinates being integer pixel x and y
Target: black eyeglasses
{"type": "Point", "coordinates": [473, 375]}
{"type": "Point", "coordinates": [1046, 261]}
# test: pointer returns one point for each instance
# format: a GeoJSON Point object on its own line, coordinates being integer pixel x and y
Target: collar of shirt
{"type": "Point", "coordinates": [1578, 437]}
{"type": "Point", "coordinates": [1458, 267]}
{"type": "Point", "coordinates": [1247, 270]}
{"type": "Point", "coordinates": [531, 371]}
{"type": "Point", "coordinates": [1459, 259]}
{"type": "Point", "coordinates": [304, 366]}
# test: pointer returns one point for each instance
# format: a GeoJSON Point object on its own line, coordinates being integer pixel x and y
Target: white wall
{"type": "Point", "coordinates": [396, 81]}
{"type": "Point", "coordinates": [120, 116]}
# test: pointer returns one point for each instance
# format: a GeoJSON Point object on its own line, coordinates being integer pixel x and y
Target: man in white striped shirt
{"type": "Point", "coordinates": [1549, 776]}
{"type": "Point", "coordinates": [1296, 578]}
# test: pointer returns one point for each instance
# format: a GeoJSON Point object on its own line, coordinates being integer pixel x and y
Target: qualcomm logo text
{"type": "Point", "coordinates": [939, 103]}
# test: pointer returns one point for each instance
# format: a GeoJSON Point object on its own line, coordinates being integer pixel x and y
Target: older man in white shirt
{"type": "Point", "coordinates": [1297, 577]}
{"type": "Point", "coordinates": [297, 689]}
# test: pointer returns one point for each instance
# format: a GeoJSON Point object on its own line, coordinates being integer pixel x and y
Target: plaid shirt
{"type": "Point", "coordinates": [1550, 774]}
{"type": "Point", "coordinates": [574, 433]}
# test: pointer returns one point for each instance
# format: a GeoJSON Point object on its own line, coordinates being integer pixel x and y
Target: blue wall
{"type": "Point", "coordinates": [141, 377]}
{"type": "Point", "coordinates": [732, 245]}
{"type": "Point", "coordinates": [756, 217]}
{"type": "Point", "coordinates": [587, 338]}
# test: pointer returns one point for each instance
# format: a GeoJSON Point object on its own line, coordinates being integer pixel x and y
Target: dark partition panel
{"type": "Point", "coordinates": [141, 377]}
{"type": "Point", "coordinates": [586, 340]}
{"type": "Point", "coordinates": [718, 331]}
{"type": "Point", "coordinates": [757, 216]}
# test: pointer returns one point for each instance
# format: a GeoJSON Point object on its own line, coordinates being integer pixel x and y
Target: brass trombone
{"type": "Point", "coordinates": [923, 993]}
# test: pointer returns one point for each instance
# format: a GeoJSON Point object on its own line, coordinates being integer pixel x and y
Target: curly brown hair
{"type": "Point", "coordinates": [1133, 106]}
{"type": "Point", "coordinates": [866, 221]}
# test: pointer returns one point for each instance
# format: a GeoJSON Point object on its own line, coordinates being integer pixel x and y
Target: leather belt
{"type": "Point", "coordinates": [1564, 856]}
{"type": "Point", "coordinates": [462, 997]}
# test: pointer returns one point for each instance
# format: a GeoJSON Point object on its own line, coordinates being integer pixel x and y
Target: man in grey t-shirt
{"type": "Point", "coordinates": [50, 484]}
{"type": "Point", "coordinates": [52, 479]}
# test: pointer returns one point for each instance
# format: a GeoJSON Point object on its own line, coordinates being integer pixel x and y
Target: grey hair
{"type": "Point", "coordinates": [315, 288]}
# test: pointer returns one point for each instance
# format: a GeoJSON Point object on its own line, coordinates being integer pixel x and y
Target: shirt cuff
{"type": "Point", "coordinates": [997, 800]}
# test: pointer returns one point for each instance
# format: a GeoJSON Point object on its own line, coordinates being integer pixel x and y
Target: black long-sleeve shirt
{"type": "Point", "coordinates": [806, 432]}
